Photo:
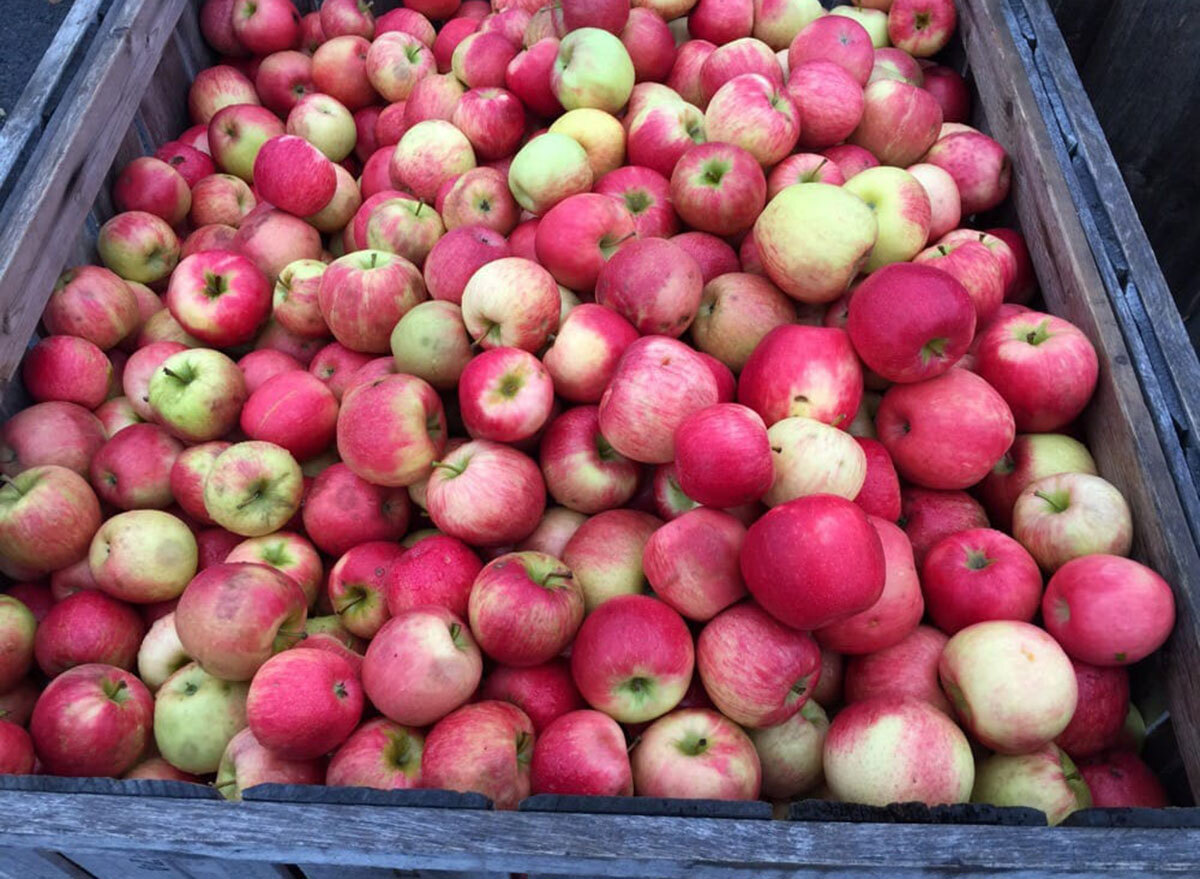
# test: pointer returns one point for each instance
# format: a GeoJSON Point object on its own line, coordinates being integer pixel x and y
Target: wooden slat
{"type": "Point", "coordinates": [144, 865]}
{"type": "Point", "coordinates": [23, 863]}
{"type": "Point", "coordinates": [1120, 429]}
{"type": "Point", "coordinates": [59, 183]}
{"type": "Point", "coordinates": [584, 845]}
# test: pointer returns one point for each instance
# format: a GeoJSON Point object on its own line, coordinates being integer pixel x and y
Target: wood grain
{"type": "Point", "coordinates": [24, 863]}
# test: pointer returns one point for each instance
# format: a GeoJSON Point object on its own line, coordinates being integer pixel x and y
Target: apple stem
{"type": "Point", "coordinates": [555, 575]}
{"type": "Point", "coordinates": [1058, 507]}
{"type": "Point", "coordinates": [8, 480]}
{"type": "Point", "coordinates": [942, 250]}
{"type": "Point", "coordinates": [248, 501]}
{"type": "Point", "coordinates": [292, 633]}
{"type": "Point", "coordinates": [445, 465]}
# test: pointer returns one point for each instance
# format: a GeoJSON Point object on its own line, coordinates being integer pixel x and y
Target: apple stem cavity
{"type": "Point", "coordinates": [547, 580]}
{"type": "Point", "coordinates": [1057, 503]}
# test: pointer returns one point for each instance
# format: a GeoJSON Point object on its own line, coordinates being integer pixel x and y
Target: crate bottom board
{"type": "Point", "coordinates": [133, 838]}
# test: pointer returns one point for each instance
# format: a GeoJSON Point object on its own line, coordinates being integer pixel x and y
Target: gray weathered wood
{"type": "Point", "coordinates": [151, 865]}
{"type": "Point", "coordinates": [582, 845]}
{"type": "Point", "coordinates": [24, 863]}
{"type": "Point", "coordinates": [55, 192]}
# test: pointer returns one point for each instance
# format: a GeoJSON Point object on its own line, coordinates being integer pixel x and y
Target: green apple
{"type": "Point", "coordinates": [431, 342]}
{"type": "Point", "coordinates": [1046, 779]}
{"type": "Point", "coordinates": [548, 169]}
{"type": "Point", "coordinates": [790, 752]}
{"type": "Point", "coordinates": [592, 69]}
{"type": "Point", "coordinates": [195, 716]}
{"type": "Point", "coordinates": [902, 213]}
{"type": "Point", "coordinates": [197, 395]}
{"type": "Point", "coordinates": [161, 653]}
{"type": "Point", "coordinates": [143, 556]}
{"type": "Point", "coordinates": [253, 488]}
{"type": "Point", "coordinates": [874, 22]}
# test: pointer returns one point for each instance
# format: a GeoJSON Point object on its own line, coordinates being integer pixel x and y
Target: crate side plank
{"type": "Point", "coordinates": [66, 171]}
{"type": "Point", "coordinates": [600, 845]}
{"type": "Point", "coordinates": [24, 863]}
{"type": "Point", "coordinates": [1120, 431]}
{"type": "Point", "coordinates": [151, 865]}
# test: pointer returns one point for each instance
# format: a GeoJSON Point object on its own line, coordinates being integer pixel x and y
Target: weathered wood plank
{"type": "Point", "coordinates": [1119, 427]}
{"type": "Point", "coordinates": [148, 865]}
{"type": "Point", "coordinates": [16, 863]}
{"type": "Point", "coordinates": [581, 845]}
{"type": "Point", "coordinates": [56, 189]}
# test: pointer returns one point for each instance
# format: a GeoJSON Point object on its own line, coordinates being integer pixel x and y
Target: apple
{"type": "Point", "coordinates": [151, 185]}
{"type": "Point", "coordinates": [1119, 779]}
{"type": "Point", "coordinates": [493, 120]}
{"type": "Point", "coordinates": [88, 627]}
{"type": "Point", "coordinates": [835, 39]}
{"type": "Point", "coordinates": [457, 255]}
{"type": "Point", "coordinates": [790, 752]}
{"type": "Point", "coordinates": [1100, 712]}
{"type": "Point", "coordinates": [341, 510]}
{"type": "Point", "coordinates": [190, 470]}
{"type": "Point", "coordinates": [294, 410]}
{"type": "Point", "coordinates": [581, 233]}
{"type": "Point", "coordinates": [1043, 366]}
{"type": "Point", "coordinates": [363, 294]}
{"type": "Point", "coordinates": [921, 27]}
{"type": "Point", "coordinates": [592, 69]}
{"type": "Point", "coordinates": [17, 756]}
{"type": "Point", "coordinates": [1108, 610]}
{"type": "Point", "coordinates": [584, 355]}
{"type": "Point", "coordinates": [582, 470]}
{"type": "Point", "coordinates": [949, 89]}
{"type": "Point", "coordinates": [341, 17]}
{"type": "Point", "coordinates": [1023, 283]}
{"type": "Point", "coordinates": [917, 421]}
{"type": "Point", "coordinates": [756, 114]}
{"type": "Point", "coordinates": [69, 580]}
{"type": "Point", "coordinates": [902, 213]}
{"type": "Point", "coordinates": [381, 754]}
{"type": "Point", "coordinates": [976, 268]}
{"type": "Point", "coordinates": [285, 551]}
{"type": "Point", "coordinates": [93, 303]}
{"type": "Point", "coordinates": [93, 720]}
{"type": "Point", "coordinates": [282, 79]}
{"type": "Point", "coordinates": [692, 563]}
{"type": "Point", "coordinates": [1031, 457]}
{"type": "Point", "coordinates": [340, 71]}
{"type": "Point", "coordinates": [718, 188]}
{"type": "Point", "coordinates": [910, 322]}
{"type": "Point", "coordinates": [828, 100]}
{"type": "Point", "coordinates": [661, 132]}
{"type": "Point", "coordinates": [274, 239]}
{"type": "Point", "coordinates": [528, 76]}
{"type": "Point", "coordinates": [438, 571]}
{"type": "Point", "coordinates": [1044, 778]}
{"type": "Point", "coordinates": [928, 515]}
{"type": "Point", "coordinates": [395, 63]}
{"type": "Point", "coordinates": [358, 584]}
{"type": "Point", "coordinates": [803, 371]}
{"type": "Point", "coordinates": [335, 364]}
{"type": "Point", "coordinates": [695, 753]}
{"type": "Point", "coordinates": [581, 753]}
{"type": "Point", "coordinates": [114, 415]}
{"type": "Point", "coordinates": [67, 369]}
{"type": "Point", "coordinates": [433, 97]}
{"type": "Point", "coordinates": [48, 515]}
{"type": "Point", "coordinates": [431, 343]}
{"type": "Point", "coordinates": [1011, 684]}
{"type": "Point", "coordinates": [484, 747]}
{"type": "Point", "coordinates": [850, 159]}
{"type": "Point", "coordinates": [897, 64]}
{"type": "Point", "coordinates": [945, 203]}
{"type": "Point", "coordinates": [1070, 515]}
{"type": "Point", "coordinates": [810, 457]}
{"type": "Point", "coordinates": [195, 716]}
{"type": "Point", "coordinates": [143, 556]}
{"type": "Point", "coordinates": [405, 21]}
{"type": "Point", "coordinates": [263, 364]}
{"type": "Point", "coordinates": [246, 764]}
{"type": "Point", "coordinates": [684, 77]}
{"type": "Point", "coordinates": [404, 227]}
{"type": "Point", "coordinates": [547, 169]}
{"type": "Point", "coordinates": [161, 654]}
{"type": "Point", "coordinates": [236, 134]}
{"type": "Point", "coordinates": [430, 153]}
{"type": "Point", "coordinates": [219, 297]}
{"type": "Point", "coordinates": [900, 122]}
{"type": "Point", "coordinates": [525, 608]}
{"type": "Point", "coordinates": [511, 302]}
{"type": "Point", "coordinates": [895, 749]}
{"type": "Point", "coordinates": [296, 688]}
{"type": "Point", "coordinates": [875, 21]}
{"type": "Point", "coordinates": [17, 628]}
{"type": "Point", "coordinates": [486, 494]}
{"type": "Point", "coordinates": [736, 312]}
{"type": "Point", "coordinates": [325, 123]}
{"type": "Point", "coordinates": [192, 163]}
{"type": "Point", "coordinates": [723, 456]}
{"type": "Point", "coordinates": [64, 434]}
{"type": "Point", "coordinates": [544, 692]}
{"type": "Point", "coordinates": [265, 26]}
{"type": "Point", "coordinates": [652, 283]}
{"type": "Point", "coordinates": [650, 45]}
{"type": "Point", "coordinates": [421, 665]}
{"type": "Point", "coordinates": [721, 22]}
{"type": "Point", "coordinates": [803, 168]}
{"type": "Point", "coordinates": [389, 128]}
{"type": "Point", "coordinates": [480, 197]}
{"type": "Point", "coordinates": [735, 58]}
{"type": "Point", "coordinates": [979, 166]}
{"type": "Point", "coordinates": [216, 88]}
{"type": "Point", "coordinates": [16, 705]}
{"type": "Point", "coordinates": [605, 554]}
{"type": "Point", "coordinates": [481, 59]}
{"type": "Point", "coordinates": [295, 301]}
{"type": "Point", "coordinates": [908, 668]}
{"type": "Point", "coordinates": [253, 488]}
{"type": "Point", "coordinates": [646, 194]}
{"type": "Point", "coordinates": [552, 534]}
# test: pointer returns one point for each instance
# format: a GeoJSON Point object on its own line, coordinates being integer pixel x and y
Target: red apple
{"type": "Point", "coordinates": [880, 494]}
{"type": "Point", "coordinates": [93, 303]}
{"type": "Point", "coordinates": [67, 369]}
{"type": "Point", "coordinates": [850, 159]}
{"type": "Point", "coordinates": [511, 302]}
{"type": "Point", "coordinates": [978, 164]}
{"type": "Point", "coordinates": [85, 627]}
{"type": "Point", "coordinates": [294, 175]}
{"type": "Point", "coordinates": [757, 114]}
{"type": "Point", "coordinates": [581, 233]}
{"type": "Point", "coordinates": [829, 103]}
{"type": "Point", "coordinates": [17, 755]}
{"type": "Point", "coordinates": [342, 510]}
{"type": "Point", "coordinates": [584, 355]}
{"type": "Point", "coordinates": [284, 78]}
{"type": "Point", "coordinates": [287, 552]}
{"type": "Point", "coordinates": [661, 132]}
{"type": "Point", "coordinates": [650, 45]}
{"type": "Point", "coordinates": [928, 515]}
{"type": "Point", "coordinates": [505, 395]}
{"type": "Point", "coordinates": [708, 441]}
{"type": "Point", "coordinates": [803, 168]}
{"type": "Point", "coordinates": [1119, 779]}
{"type": "Point", "coordinates": [721, 21]}
{"type": "Point", "coordinates": [438, 571]}
{"type": "Point", "coordinates": [582, 470]}
{"type": "Point", "coordinates": [840, 40]}
{"type": "Point", "coordinates": [907, 668]}
{"type": "Point", "coordinates": [303, 704]}
{"type": "Point", "coordinates": [581, 753]}
{"type": "Point", "coordinates": [340, 71]}
{"type": "Point", "coordinates": [216, 24]}
{"type": "Point", "coordinates": [977, 575]}
{"type": "Point", "coordinates": [48, 516]}
{"type": "Point", "coordinates": [265, 26]}
{"type": "Point", "coordinates": [684, 77]}
{"type": "Point", "coordinates": [273, 240]}
{"type": "Point", "coordinates": [692, 562]}
{"type": "Point", "coordinates": [151, 185]}
{"type": "Point", "coordinates": [217, 87]}
{"type": "Point", "coordinates": [341, 17]}
{"type": "Point", "coordinates": [64, 434]}
{"type": "Point", "coordinates": [528, 77]}
{"type": "Point", "coordinates": [735, 58]}
{"type": "Point", "coordinates": [1030, 458]}
{"type": "Point", "coordinates": [391, 430]}
{"type": "Point", "coordinates": [718, 188]}
{"type": "Point", "coordinates": [949, 89]}
{"type": "Point", "coordinates": [246, 763]}
{"type": "Point", "coordinates": [484, 747]}
{"type": "Point", "coordinates": [486, 494]}
{"type": "Point", "coordinates": [381, 754]}
{"type": "Point", "coordinates": [358, 586]}
{"type": "Point", "coordinates": [799, 370]}
{"type": "Point", "coordinates": [695, 753]}
{"type": "Point", "coordinates": [900, 122]}
{"type": "Point", "coordinates": [221, 199]}
{"type": "Point", "coordinates": [294, 410]}
{"type": "Point", "coordinates": [1100, 712]}
{"type": "Point", "coordinates": [133, 469]}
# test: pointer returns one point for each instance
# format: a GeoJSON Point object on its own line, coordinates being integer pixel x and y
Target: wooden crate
{"type": "Point", "coordinates": [110, 829]}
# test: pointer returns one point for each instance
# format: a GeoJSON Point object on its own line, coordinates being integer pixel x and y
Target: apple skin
{"type": "Point", "coordinates": [1024, 282]}
{"type": "Point", "coordinates": [93, 720]}
{"type": "Point", "coordinates": [17, 630]}
{"type": "Point", "coordinates": [900, 122]}
{"type": "Point", "coordinates": [892, 749]}
{"type": "Point", "coordinates": [592, 69]}
{"type": "Point", "coordinates": [395, 63]}
{"type": "Point", "coordinates": [650, 44]}
{"type": "Point", "coordinates": [1100, 712]}
{"type": "Point", "coordinates": [839, 40]}
{"type": "Point", "coordinates": [246, 764]}
{"type": "Point", "coordinates": [265, 26]}
{"type": "Point", "coordinates": [581, 233]}
{"type": "Point", "coordinates": [1108, 610]}
{"type": "Point", "coordinates": [484, 747]}
{"type": "Point", "coordinates": [737, 58]}
{"type": "Point", "coordinates": [916, 421]}
{"type": "Point", "coordinates": [262, 612]}
{"type": "Point", "coordinates": [217, 87]}
{"type": "Point", "coordinates": [552, 534]}
{"type": "Point", "coordinates": [265, 363]}
{"type": "Point", "coordinates": [646, 195]}
{"type": "Point", "coordinates": [880, 492]}
{"type": "Point", "coordinates": [493, 119]}
{"type": "Point", "coordinates": [718, 188]}
{"type": "Point", "coordinates": [785, 665]}
{"type": "Point", "coordinates": [197, 394]}
{"type": "Point", "coordinates": [335, 364]}
{"type": "Point", "coordinates": [909, 668]}
{"type": "Point", "coordinates": [790, 752]}
{"type": "Point", "coordinates": [391, 430]}
{"type": "Point", "coordinates": [282, 79]}
{"type": "Point", "coordinates": [304, 703]}
{"type": "Point", "coordinates": [949, 89]}
{"type": "Point", "coordinates": [544, 692]}
{"type": "Point", "coordinates": [584, 354]}
{"type": "Point", "coordinates": [195, 716]}
{"type": "Point", "coordinates": [662, 132]}
{"type": "Point", "coordinates": [836, 570]}
{"type": "Point", "coordinates": [293, 175]}
{"type": "Point", "coordinates": [294, 410]}
{"type": "Point", "coordinates": [582, 470]}
{"type": "Point", "coordinates": [380, 754]}
{"type": "Point", "coordinates": [695, 753]}
{"type": "Point", "coordinates": [63, 434]}
{"type": "Point", "coordinates": [439, 571]}
{"type": "Point", "coordinates": [736, 311]}
{"type": "Point", "coordinates": [892, 63]}
{"type": "Point", "coordinates": [214, 545]}
{"type": "Point", "coordinates": [921, 27]}
{"type": "Point", "coordinates": [756, 114]}
{"type": "Point", "coordinates": [358, 583]}
{"type": "Point", "coordinates": [457, 256]}
{"type": "Point", "coordinates": [930, 515]}
{"type": "Point", "coordinates": [132, 470]}
{"type": "Point", "coordinates": [1011, 684]}
{"type": "Point", "coordinates": [979, 165]}
{"type": "Point", "coordinates": [605, 554]}
{"type": "Point", "coordinates": [581, 753]}
{"type": "Point", "coordinates": [684, 77]}
{"type": "Point", "coordinates": [1019, 354]}
{"type": "Point", "coordinates": [1070, 515]}
{"type": "Point", "coordinates": [221, 199]}
{"type": "Point", "coordinates": [342, 510]}
{"type": "Point", "coordinates": [546, 170]}
{"type": "Point", "coordinates": [815, 364]}
{"type": "Point", "coordinates": [404, 227]}
{"type": "Point", "coordinates": [654, 284]}
{"type": "Point", "coordinates": [160, 654]}
{"type": "Point", "coordinates": [633, 658]}
{"type": "Point", "coordinates": [902, 213]}
{"type": "Point", "coordinates": [486, 494]}
{"type": "Point", "coordinates": [143, 556]}
{"type": "Point", "coordinates": [658, 382]}
{"type": "Point", "coordinates": [480, 197]}
{"type": "Point", "coordinates": [505, 394]}
{"type": "Point", "coordinates": [253, 488]}
{"type": "Point", "coordinates": [978, 575]}
{"type": "Point", "coordinates": [1119, 779]}
{"type": "Point", "coordinates": [421, 665]}
{"type": "Point", "coordinates": [17, 704]}
{"type": "Point", "coordinates": [810, 457]}
{"type": "Point", "coordinates": [67, 369]}
{"type": "Point", "coordinates": [17, 756]}
{"type": "Point", "coordinates": [481, 58]}
{"type": "Point", "coordinates": [528, 77]}
{"type": "Point", "coordinates": [48, 516]}
{"type": "Point", "coordinates": [511, 302]}
{"type": "Point", "coordinates": [895, 614]}
{"type": "Point", "coordinates": [728, 433]}
{"type": "Point", "coordinates": [273, 239]}
{"type": "Point", "coordinates": [525, 608]}
{"type": "Point", "coordinates": [803, 168]}
{"type": "Point", "coordinates": [944, 201]}
{"type": "Point", "coordinates": [93, 303]}
{"type": "Point", "coordinates": [692, 563]}
{"type": "Point", "coordinates": [829, 103]}
{"type": "Point", "coordinates": [1031, 457]}
{"type": "Point", "coordinates": [1044, 778]}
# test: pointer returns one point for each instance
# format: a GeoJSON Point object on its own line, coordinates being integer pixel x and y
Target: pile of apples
{"type": "Point", "coordinates": [280, 510]}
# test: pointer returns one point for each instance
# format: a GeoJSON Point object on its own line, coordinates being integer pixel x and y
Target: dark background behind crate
{"type": "Point", "coordinates": [1140, 64]}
